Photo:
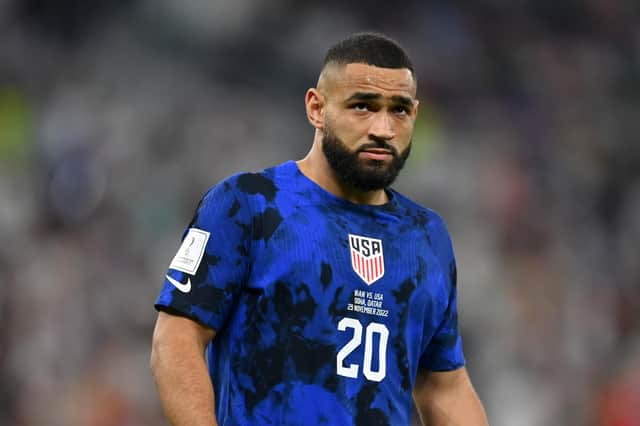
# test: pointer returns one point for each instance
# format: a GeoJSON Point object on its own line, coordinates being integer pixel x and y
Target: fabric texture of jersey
{"type": "Point", "coordinates": [302, 338]}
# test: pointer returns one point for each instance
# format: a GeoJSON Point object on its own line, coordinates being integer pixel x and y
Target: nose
{"type": "Point", "coordinates": [381, 127]}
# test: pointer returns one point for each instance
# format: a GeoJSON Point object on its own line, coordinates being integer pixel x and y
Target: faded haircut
{"type": "Point", "coordinates": [368, 48]}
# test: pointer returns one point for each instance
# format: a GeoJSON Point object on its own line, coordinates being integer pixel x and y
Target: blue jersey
{"type": "Point", "coordinates": [324, 309]}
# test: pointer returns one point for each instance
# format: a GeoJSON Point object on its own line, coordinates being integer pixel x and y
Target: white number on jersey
{"type": "Point", "coordinates": [356, 340]}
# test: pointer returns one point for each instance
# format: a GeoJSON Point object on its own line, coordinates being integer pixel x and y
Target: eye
{"type": "Point", "coordinates": [360, 106]}
{"type": "Point", "coordinates": [401, 110]}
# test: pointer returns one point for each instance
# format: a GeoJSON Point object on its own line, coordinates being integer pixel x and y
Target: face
{"type": "Point", "coordinates": [368, 123]}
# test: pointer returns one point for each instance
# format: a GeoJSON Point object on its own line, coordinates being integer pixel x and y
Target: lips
{"type": "Point", "coordinates": [376, 153]}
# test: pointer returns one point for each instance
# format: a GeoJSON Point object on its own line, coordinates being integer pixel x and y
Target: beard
{"type": "Point", "coordinates": [362, 174]}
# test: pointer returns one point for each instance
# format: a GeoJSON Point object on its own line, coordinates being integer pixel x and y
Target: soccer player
{"type": "Point", "coordinates": [311, 292]}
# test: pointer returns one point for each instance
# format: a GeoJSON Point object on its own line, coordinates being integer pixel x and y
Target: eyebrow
{"type": "Point", "coordinates": [366, 96]}
{"type": "Point", "coordinates": [403, 100]}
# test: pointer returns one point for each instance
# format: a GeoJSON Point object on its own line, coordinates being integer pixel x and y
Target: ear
{"type": "Point", "coordinates": [315, 102]}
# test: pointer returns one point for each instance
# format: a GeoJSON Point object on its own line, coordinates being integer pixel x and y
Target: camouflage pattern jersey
{"type": "Point", "coordinates": [324, 309]}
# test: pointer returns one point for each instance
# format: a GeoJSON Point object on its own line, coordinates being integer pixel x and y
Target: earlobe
{"type": "Point", "coordinates": [314, 102]}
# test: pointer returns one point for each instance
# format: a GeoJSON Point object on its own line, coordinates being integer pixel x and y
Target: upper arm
{"type": "Point", "coordinates": [179, 330]}
{"type": "Point", "coordinates": [179, 369]}
{"type": "Point", "coordinates": [447, 398]}
{"type": "Point", "coordinates": [429, 383]}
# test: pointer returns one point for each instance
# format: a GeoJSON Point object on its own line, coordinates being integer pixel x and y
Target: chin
{"type": "Point", "coordinates": [375, 164]}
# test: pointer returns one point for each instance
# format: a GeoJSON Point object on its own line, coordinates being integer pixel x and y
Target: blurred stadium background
{"type": "Point", "coordinates": [115, 116]}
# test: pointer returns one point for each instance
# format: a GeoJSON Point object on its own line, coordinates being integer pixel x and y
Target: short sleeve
{"type": "Point", "coordinates": [210, 267]}
{"type": "Point", "coordinates": [444, 350]}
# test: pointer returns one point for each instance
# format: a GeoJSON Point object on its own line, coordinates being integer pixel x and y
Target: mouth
{"type": "Point", "coordinates": [379, 154]}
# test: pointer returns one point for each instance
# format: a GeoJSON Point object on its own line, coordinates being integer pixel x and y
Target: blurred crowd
{"type": "Point", "coordinates": [115, 116]}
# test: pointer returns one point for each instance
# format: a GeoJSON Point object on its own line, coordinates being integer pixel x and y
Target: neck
{"type": "Point", "coordinates": [316, 167]}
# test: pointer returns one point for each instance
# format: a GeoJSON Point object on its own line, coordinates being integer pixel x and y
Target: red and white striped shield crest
{"type": "Point", "coordinates": [367, 259]}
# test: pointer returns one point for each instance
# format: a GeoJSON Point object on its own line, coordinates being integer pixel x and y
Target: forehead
{"type": "Point", "coordinates": [369, 78]}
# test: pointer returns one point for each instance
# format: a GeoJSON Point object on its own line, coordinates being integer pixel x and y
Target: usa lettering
{"type": "Point", "coordinates": [366, 247]}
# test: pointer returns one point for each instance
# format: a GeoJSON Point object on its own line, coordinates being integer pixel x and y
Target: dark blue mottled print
{"type": "Point", "coordinates": [367, 414]}
{"type": "Point", "coordinates": [326, 274]}
{"type": "Point", "coordinates": [265, 223]}
{"type": "Point", "coordinates": [275, 281]}
{"type": "Point", "coordinates": [234, 208]}
{"type": "Point", "coordinates": [338, 306]}
{"type": "Point", "coordinates": [255, 183]}
{"type": "Point", "coordinates": [402, 296]}
{"type": "Point", "coordinates": [453, 273]}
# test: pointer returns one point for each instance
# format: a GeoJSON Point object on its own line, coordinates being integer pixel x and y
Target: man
{"type": "Point", "coordinates": [320, 294]}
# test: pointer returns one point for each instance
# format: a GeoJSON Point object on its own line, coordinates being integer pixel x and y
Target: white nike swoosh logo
{"type": "Point", "coordinates": [185, 288]}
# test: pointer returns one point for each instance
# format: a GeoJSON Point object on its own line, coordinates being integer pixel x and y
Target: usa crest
{"type": "Point", "coordinates": [367, 259]}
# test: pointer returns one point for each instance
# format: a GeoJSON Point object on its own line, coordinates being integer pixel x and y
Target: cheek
{"type": "Point", "coordinates": [404, 132]}
{"type": "Point", "coordinates": [349, 130]}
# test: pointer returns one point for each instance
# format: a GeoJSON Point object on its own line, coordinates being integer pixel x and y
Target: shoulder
{"type": "Point", "coordinates": [263, 184]}
{"type": "Point", "coordinates": [434, 227]}
{"type": "Point", "coordinates": [423, 216]}
{"type": "Point", "coordinates": [242, 197]}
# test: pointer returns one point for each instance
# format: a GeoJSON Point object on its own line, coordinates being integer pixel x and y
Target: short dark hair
{"type": "Point", "coordinates": [369, 48]}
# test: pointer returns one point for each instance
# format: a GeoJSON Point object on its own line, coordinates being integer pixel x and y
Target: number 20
{"type": "Point", "coordinates": [356, 340]}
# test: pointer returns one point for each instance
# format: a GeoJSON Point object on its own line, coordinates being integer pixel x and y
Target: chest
{"type": "Point", "coordinates": [342, 263]}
